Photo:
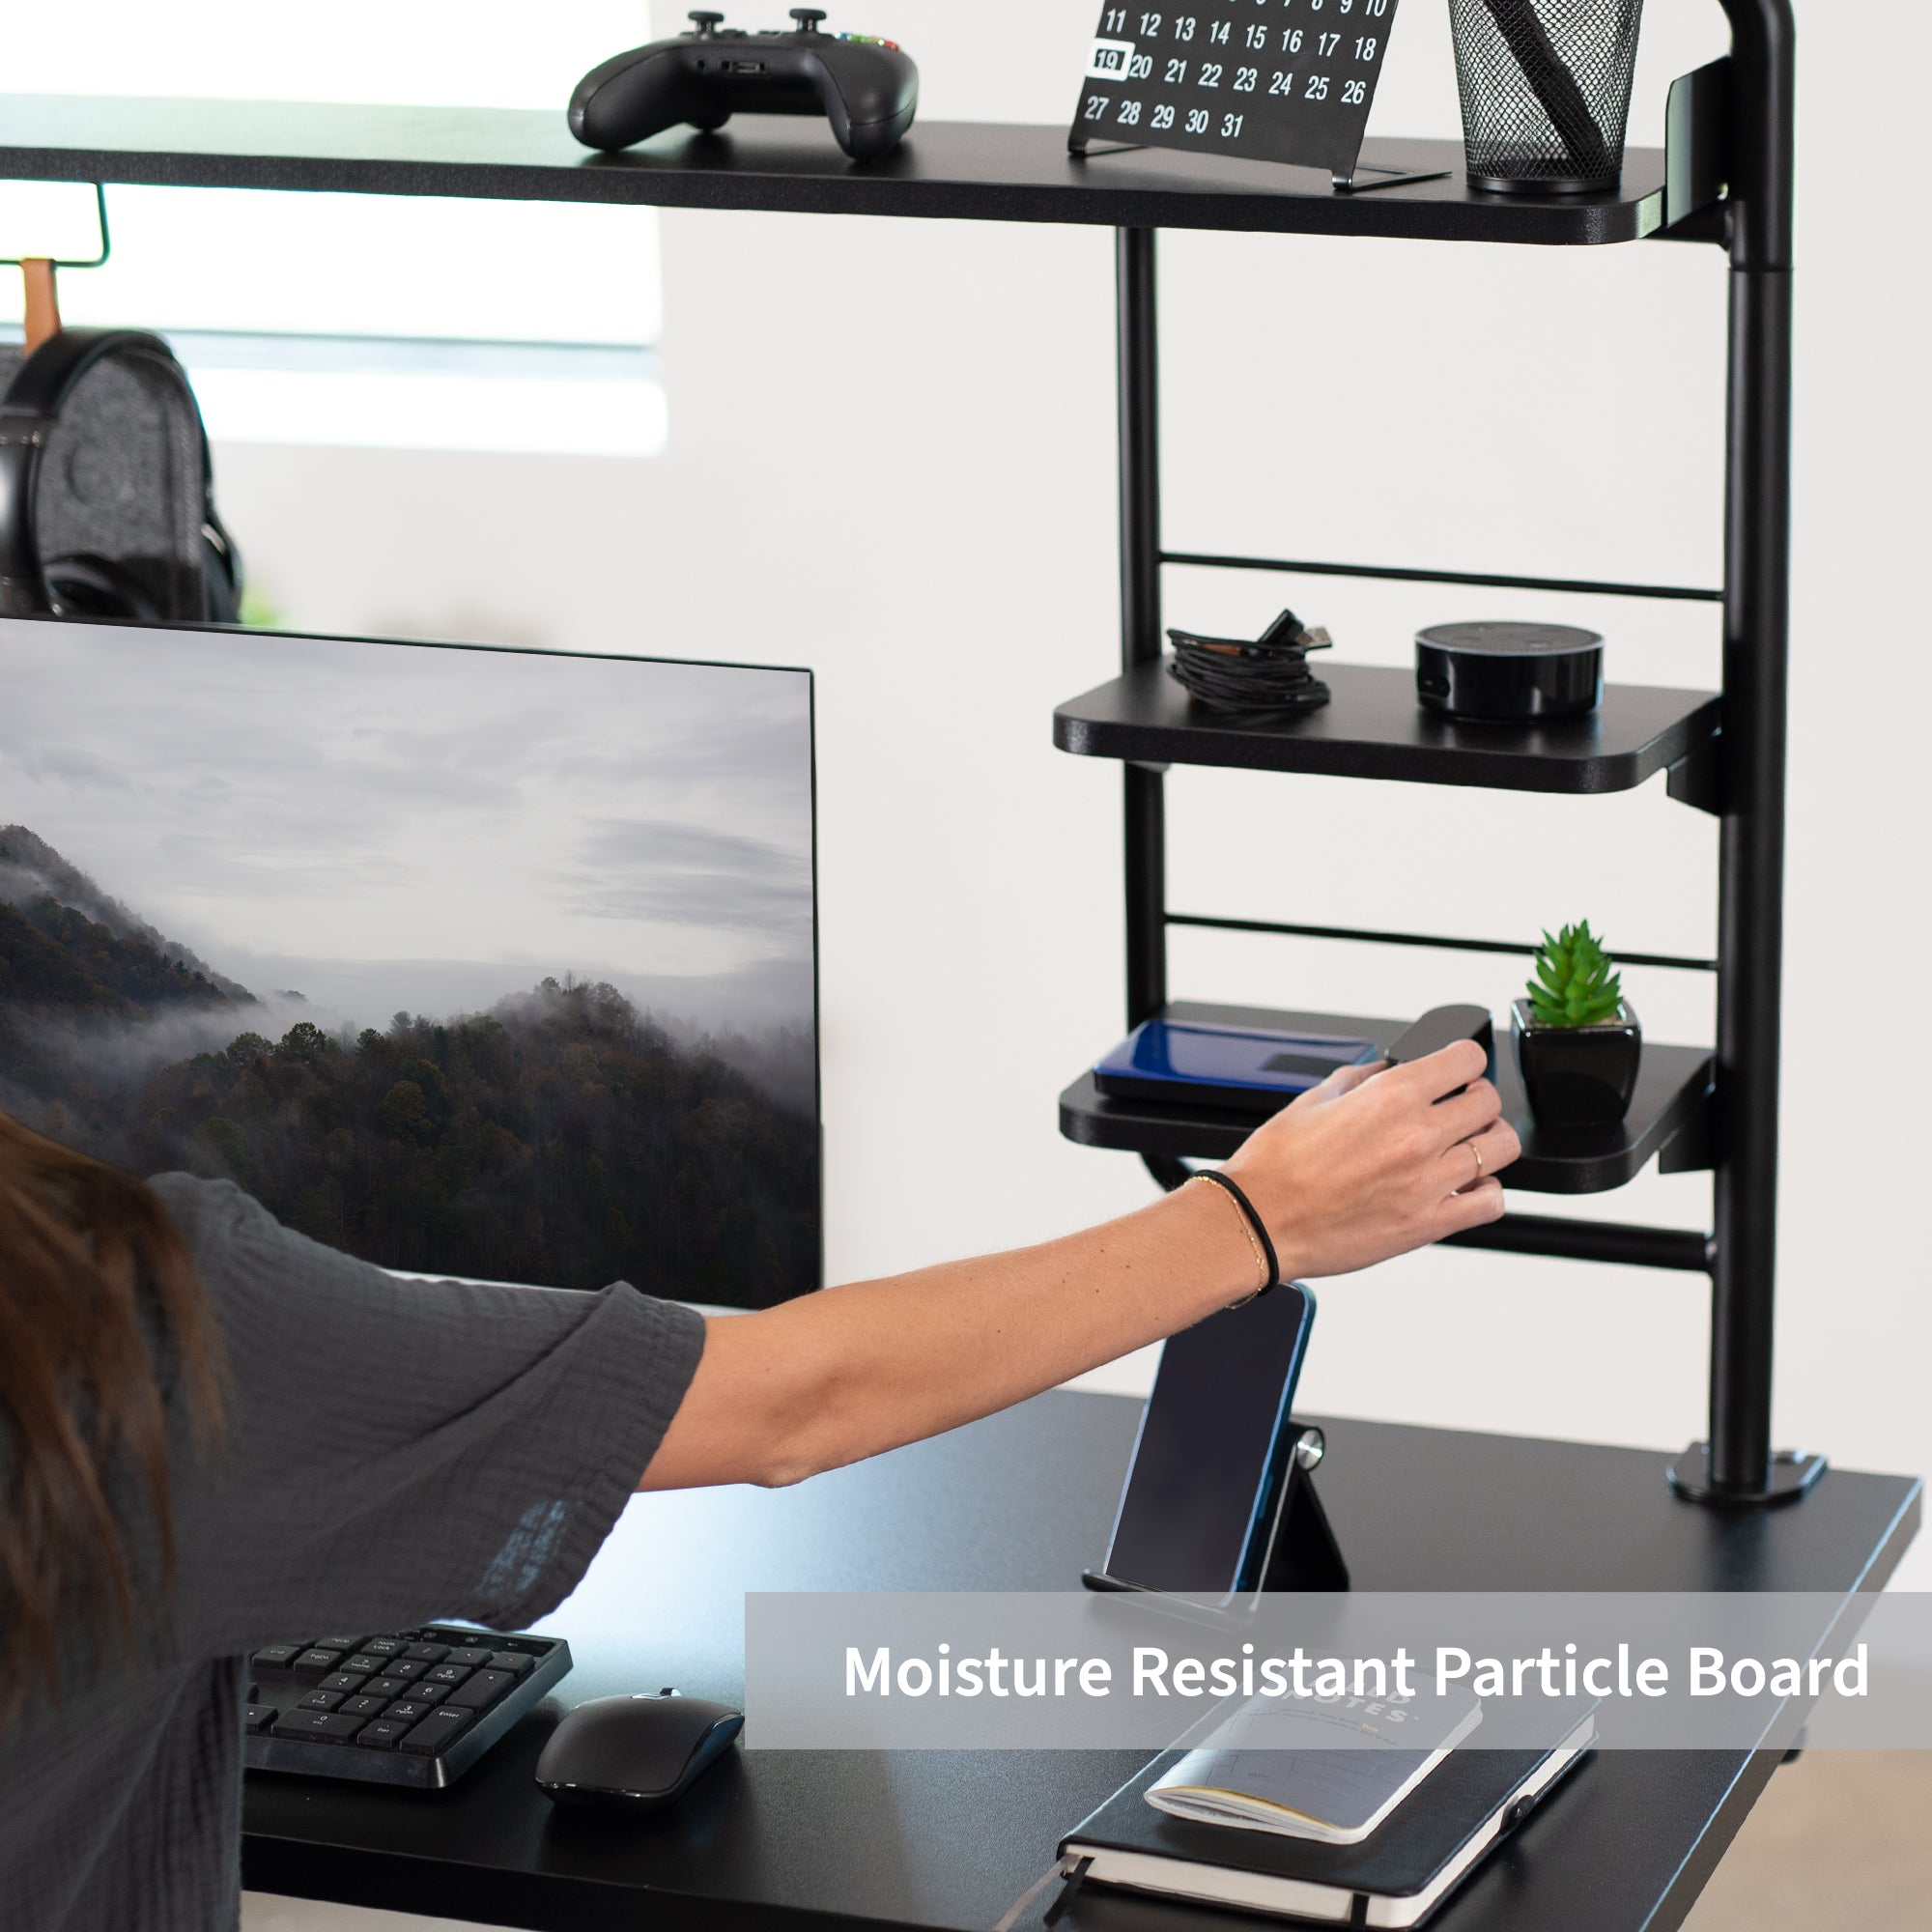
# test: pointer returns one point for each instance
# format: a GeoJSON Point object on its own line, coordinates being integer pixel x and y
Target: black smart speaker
{"type": "Point", "coordinates": [1507, 671]}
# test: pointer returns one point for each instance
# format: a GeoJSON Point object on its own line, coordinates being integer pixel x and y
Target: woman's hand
{"type": "Point", "coordinates": [1372, 1162]}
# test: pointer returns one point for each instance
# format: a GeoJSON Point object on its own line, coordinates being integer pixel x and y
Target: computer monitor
{"type": "Point", "coordinates": [479, 962]}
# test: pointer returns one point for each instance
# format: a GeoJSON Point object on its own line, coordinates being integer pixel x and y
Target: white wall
{"type": "Point", "coordinates": [891, 459]}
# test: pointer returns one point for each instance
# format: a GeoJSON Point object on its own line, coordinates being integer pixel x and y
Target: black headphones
{"type": "Point", "coordinates": [86, 584]}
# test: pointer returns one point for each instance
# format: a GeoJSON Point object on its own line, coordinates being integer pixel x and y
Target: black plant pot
{"type": "Point", "coordinates": [1578, 1076]}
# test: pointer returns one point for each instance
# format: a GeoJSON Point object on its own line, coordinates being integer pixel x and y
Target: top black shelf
{"type": "Point", "coordinates": [962, 171]}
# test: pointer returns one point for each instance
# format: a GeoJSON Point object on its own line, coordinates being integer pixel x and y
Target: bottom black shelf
{"type": "Point", "coordinates": [1673, 1098]}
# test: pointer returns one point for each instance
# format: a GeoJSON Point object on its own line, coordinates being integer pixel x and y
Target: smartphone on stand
{"type": "Point", "coordinates": [1197, 1510]}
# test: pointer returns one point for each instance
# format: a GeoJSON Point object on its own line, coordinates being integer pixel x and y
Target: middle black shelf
{"type": "Point", "coordinates": [1668, 1116]}
{"type": "Point", "coordinates": [1373, 728]}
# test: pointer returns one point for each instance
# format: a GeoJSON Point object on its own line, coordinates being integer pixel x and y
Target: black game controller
{"type": "Point", "coordinates": [866, 88]}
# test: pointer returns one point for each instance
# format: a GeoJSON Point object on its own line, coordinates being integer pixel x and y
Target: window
{"type": "Point", "coordinates": [332, 318]}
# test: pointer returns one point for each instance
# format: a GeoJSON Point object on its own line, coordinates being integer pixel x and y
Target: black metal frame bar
{"type": "Point", "coordinates": [1565, 1240]}
{"type": "Point", "coordinates": [1482, 580]}
{"type": "Point", "coordinates": [1140, 611]}
{"type": "Point", "coordinates": [1435, 942]}
{"type": "Point", "coordinates": [1752, 772]}
{"type": "Point", "coordinates": [1740, 1253]}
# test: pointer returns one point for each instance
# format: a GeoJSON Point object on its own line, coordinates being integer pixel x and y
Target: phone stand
{"type": "Point", "coordinates": [1305, 1556]}
{"type": "Point", "coordinates": [1302, 1553]}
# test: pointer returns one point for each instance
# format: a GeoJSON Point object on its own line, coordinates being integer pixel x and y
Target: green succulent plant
{"type": "Point", "coordinates": [1575, 984]}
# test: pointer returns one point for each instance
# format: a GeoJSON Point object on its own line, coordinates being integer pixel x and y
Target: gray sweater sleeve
{"type": "Point", "coordinates": [396, 1451]}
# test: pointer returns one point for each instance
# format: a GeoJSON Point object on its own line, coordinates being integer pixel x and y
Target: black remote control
{"type": "Point", "coordinates": [1442, 1027]}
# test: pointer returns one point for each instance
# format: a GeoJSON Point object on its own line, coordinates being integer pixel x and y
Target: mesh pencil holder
{"type": "Point", "coordinates": [1546, 88]}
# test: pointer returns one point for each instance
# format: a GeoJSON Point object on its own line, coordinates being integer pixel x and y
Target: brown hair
{"type": "Point", "coordinates": [99, 1298]}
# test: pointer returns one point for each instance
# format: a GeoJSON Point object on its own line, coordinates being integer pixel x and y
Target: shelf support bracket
{"type": "Point", "coordinates": [1694, 780]}
{"type": "Point", "coordinates": [1695, 133]}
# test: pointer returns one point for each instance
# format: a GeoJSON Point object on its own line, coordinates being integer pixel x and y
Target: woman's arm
{"type": "Point", "coordinates": [1361, 1168]}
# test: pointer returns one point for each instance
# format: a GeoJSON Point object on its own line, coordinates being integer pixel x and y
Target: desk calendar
{"type": "Point", "coordinates": [1273, 81]}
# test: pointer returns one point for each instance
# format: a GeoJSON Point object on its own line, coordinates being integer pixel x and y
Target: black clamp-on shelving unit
{"type": "Point", "coordinates": [1724, 178]}
{"type": "Point", "coordinates": [1728, 180]}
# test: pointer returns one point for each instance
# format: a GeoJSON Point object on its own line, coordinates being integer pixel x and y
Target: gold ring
{"type": "Point", "coordinates": [1478, 1152]}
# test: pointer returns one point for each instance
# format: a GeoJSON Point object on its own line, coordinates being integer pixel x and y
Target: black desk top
{"type": "Point", "coordinates": [956, 170]}
{"type": "Point", "coordinates": [930, 1839]}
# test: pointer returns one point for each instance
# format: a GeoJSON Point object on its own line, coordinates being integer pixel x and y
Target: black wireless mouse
{"type": "Point", "coordinates": [635, 1753]}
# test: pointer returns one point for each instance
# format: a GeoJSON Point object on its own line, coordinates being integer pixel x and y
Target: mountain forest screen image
{"type": "Point", "coordinates": [468, 962]}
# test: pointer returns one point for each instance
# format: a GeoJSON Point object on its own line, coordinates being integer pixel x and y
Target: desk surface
{"type": "Point", "coordinates": [931, 1840]}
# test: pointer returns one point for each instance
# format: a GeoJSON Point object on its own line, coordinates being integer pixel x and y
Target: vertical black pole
{"type": "Point", "coordinates": [1140, 611]}
{"type": "Point", "coordinates": [1751, 912]}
